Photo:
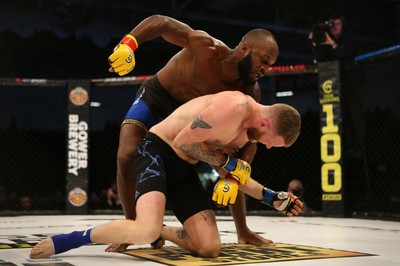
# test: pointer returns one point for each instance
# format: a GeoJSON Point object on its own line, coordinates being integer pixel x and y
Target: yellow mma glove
{"type": "Point", "coordinates": [225, 191]}
{"type": "Point", "coordinates": [239, 169]}
{"type": "Point", "coordinates": [122, 60]}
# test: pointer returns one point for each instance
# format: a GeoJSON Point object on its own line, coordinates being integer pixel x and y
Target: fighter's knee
{"type": "Point", "coordinates": [124, 156]}
{"type": "Point", "coordinates": [152, 234]}
{"type": "Point", "coordinates": [147, 235]}
{"type": "Point", "coordinates": [209, 249]}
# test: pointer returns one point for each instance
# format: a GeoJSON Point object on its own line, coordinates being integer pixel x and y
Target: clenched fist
{"type": "Point", "coordinates": [225, 192]}
{"type": "Point", "coordinates": [122, 60]}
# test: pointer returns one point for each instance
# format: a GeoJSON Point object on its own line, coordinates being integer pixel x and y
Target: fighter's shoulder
{"type": "Point", "coordinates": [231, 98]}
{"type": "Point", "coordinates": [202, 38]}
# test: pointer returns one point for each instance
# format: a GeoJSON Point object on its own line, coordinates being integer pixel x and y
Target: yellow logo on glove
{"type": "Point", "coordinates": [129, 59]}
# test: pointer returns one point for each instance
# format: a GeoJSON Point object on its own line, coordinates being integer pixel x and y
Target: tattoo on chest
{"type": "Point", "coordinates": [198, 122]}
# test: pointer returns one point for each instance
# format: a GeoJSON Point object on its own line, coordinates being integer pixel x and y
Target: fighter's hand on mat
{"type": "Point", "coordinates": [238, 168]}
{"type": "Point", "coordinates": [225, 192]}
{"type": "Point", "coordinates": [284, 202]}
{"type": "Point", "coordinates": [122, 60]}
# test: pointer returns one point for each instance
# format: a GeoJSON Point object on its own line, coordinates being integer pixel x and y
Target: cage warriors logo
{"type": "Point", "coordinates": [77, 144]}
{"type": "Point", "coordinates": [329, 96]}
{"type": "Point", "coordinates": [327, 86]}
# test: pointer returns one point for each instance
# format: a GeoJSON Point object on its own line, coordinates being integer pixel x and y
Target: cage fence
{"type": "Point", "coordinates": [33, 129]}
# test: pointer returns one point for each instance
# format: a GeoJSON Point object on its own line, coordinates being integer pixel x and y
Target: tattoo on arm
{"type": "Point", "coordinates": [195, 151]}
{"type": "Point", "coordinates": [198, 122]}
{"type": "Point", "coordinates": [181, 233]}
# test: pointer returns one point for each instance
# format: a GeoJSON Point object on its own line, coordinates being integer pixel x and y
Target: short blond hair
{"type": "Point", "coordinates": [288, 122]}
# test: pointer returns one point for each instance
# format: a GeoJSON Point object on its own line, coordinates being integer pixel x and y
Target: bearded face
{"type": "Point", "coordinates": [245, 70]}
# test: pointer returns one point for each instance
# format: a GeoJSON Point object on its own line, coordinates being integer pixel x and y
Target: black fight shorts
{"type": "Point", "coordinates": [158, 168]}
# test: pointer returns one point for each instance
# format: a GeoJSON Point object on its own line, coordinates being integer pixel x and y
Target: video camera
{"type": "Point", "coordinates": [319, 30]}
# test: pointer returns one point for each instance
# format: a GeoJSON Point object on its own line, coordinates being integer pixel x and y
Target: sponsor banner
{"type": "Point", "coordinates": [331, 139]}
{"type": "Point", "coordinates": [77, 146]}
{"type": "Point", "coordinates": [234, 254]}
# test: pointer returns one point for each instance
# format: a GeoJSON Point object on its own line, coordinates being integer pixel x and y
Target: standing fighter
{"type": "Point", "coordinates": [205, 65]}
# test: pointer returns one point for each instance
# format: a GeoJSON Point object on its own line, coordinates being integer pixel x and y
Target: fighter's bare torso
{"type": "Point", "coordinates": [206, 67]}
{"type": "Point", "coordinates": [202, 126]}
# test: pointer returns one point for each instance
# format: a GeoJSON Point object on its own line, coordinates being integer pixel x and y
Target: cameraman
{"type": "Point", "coordinates": [331, 41]}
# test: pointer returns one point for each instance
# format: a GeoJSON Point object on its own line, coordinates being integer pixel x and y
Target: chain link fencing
{"type": "Point", "coordinates": [33, 128]}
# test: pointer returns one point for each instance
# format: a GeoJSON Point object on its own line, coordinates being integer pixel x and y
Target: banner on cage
{"type": "Point", "coordinates": [77, 146]}
{"type": "Point", "coordinates": [331, 139]}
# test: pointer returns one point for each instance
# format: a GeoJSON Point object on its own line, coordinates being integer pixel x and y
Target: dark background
{"type": "Point", "coordinates": [60, 40]}
{"type": "Point", "coordinates": [64, 39]}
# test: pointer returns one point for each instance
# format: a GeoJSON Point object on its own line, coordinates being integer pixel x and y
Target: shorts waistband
{"type": "Point", "coordinates": [160, 141]}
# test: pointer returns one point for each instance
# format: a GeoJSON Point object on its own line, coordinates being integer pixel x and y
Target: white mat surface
{"type": "Point", "coordinates": [381, 238]}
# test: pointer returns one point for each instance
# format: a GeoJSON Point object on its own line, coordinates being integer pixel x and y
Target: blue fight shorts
{"type": "Point", "coordinates": [139, 113]}
{"type": "Point", "coordinates": [152, 104]}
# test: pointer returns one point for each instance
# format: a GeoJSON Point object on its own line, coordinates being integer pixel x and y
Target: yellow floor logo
{"type": "Point", "coordinates": [241, 254]}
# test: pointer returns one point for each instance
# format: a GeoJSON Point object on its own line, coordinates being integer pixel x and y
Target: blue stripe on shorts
{"type": "Point", "coordinates": [139, 111]}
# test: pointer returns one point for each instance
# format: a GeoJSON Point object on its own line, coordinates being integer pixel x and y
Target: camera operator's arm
{"type": "Point", "coordinates": [330, 41]}
{"type": "Point", "coordinates": [318, 51]}
{"type": "Point", "coordinates": [332, 49]}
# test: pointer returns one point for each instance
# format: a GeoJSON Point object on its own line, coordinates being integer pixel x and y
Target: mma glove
{"type": "Point", "coordinates": [270, 196]}
{"type": "Point", "coordinates": [122, 60]}
{"type": "Point", "coordinates": [225, 191]}
{"type": "Point", "coordinates": [239, 169]}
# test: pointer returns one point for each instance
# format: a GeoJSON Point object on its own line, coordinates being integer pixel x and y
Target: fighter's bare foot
{"type": "Point", "coordinates": [43, 249]}
{"type": "Point", "coordinates": [119, 248]}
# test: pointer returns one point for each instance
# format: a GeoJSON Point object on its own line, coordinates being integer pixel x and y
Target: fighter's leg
{"type": "Point", "coordinates": [143, 230]}
{"type": "Point", "coordinates": [137, 122]}
{"type": "Point", "coordinates": [199, 234]}
{"type": "Point", "coordinates": [193, 208]}
{"type": "Point", "coordinates": [130, 136]}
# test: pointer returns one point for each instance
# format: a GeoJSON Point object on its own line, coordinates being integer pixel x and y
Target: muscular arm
{"type": "Point", "coordinates": [253, 189]}
{"type": "Point", "coordinates": [238, 210]}
{"type": "Point", "coordinates": [168, 28]}
{"type": "Point", "coordinates": [196, 151]}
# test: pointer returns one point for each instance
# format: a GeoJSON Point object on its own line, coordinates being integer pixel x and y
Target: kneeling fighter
{"type": "Point", "coordinates": [199, 130]}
